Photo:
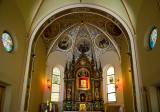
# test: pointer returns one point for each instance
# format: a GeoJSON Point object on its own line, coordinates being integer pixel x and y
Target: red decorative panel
{"type": "Point", "coordinates": [83, 82]}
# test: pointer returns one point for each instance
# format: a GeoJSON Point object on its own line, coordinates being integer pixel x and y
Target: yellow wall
{"type": "Point", "coordinates": [12, 64]}
{"type": "Point", "coordinates": [126, 77]}
{"type": "Point", "coordinates": [38, 77]}
{"type": "Point", "coordinates": [149, 60]}
{"type": "Point", "coordinates": [28, 9]}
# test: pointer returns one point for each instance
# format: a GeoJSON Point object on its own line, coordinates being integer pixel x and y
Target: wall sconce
{"type": "Point", "coordinates": [33, 61]}
{"type": "Point", "coordinates": [128, 54]}
{"type": "Point", "coordinates": [49, 83]}
{"type": "Point", "coordinates": [116, 81]}
{"type": "Point", "coordinates": [33, 55]}
{"type": "Point", "coordinates": [129, 69]}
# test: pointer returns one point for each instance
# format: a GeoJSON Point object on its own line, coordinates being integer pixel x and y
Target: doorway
{"type": "Point", "coordinates": [158, 93]}
{"type": "Point", "coordinates": [2, 95]}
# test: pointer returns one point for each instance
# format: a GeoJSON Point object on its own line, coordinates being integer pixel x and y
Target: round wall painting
{"type": "Point", "coordinates": [65, 42]}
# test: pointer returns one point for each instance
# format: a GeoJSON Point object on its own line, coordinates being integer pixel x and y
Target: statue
{"type": "Point", "coordinates": [89, 96]}
{"type": "Point", "coordinates": [97, 93]}
{"type": "Point", "coordinates": [68, 93]}
{"type": "Point", "coordinates": [83, 74]}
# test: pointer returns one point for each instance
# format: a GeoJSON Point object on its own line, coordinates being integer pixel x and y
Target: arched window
{"type": "Point", "coordinates": [55, 92]}
{"type": "Point", "coordinates": [111, 91]}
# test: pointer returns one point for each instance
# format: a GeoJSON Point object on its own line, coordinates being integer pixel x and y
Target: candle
{"type": "Point", "coordinates": [47, 102]}
{"type": "Point", "coordinates": [50, 107]}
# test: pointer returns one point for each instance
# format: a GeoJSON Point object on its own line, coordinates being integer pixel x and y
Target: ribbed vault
{"type": "Point", "coordinates": [69, 32]}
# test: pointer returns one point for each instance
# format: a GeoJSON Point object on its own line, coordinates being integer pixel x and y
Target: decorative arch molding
{"type": "Point", "coordinates": [99, 10]}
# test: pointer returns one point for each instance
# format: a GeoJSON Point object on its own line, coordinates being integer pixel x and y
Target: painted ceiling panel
{"type": "Point", "coordinates": [82, 33]}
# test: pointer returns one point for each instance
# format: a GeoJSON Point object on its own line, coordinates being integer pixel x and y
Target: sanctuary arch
{"type": "Point", "coordinates": [77, 92]}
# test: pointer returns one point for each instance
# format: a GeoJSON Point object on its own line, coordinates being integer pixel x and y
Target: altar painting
{"type": "Point", "coordinates": [83, 81]}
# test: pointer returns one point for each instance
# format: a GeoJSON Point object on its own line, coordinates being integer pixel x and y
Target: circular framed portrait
{"type": "Point", "coordinates": [83, 45]}
{"type": "Point", "coordinates": [65, 42]}
{"type": "Point", "coordinates": [113, 29]}
{"type": "Point", "coordinates": [102, 41]}
{"type": "Point", "coordinates": [51, 31]}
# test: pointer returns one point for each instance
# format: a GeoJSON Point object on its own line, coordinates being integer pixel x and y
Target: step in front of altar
{"type": "Point", "coordinates": [82, 111]}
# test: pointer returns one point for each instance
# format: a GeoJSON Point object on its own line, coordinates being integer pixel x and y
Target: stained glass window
{"type": "Point", "coordinates": [153, 38]}
{"type": "Point", "coordinates": [111, 91]}
{"type": "Point", "coordinates": [7, 41]}
{"type": "Point", "coordinates": [55, 92]}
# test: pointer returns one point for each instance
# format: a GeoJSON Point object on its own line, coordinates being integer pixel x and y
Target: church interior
{"type": "Point", "coordinates": [79, 55]}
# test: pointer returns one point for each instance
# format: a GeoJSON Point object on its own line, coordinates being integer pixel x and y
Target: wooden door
{"type": "Point", "coordinates": [158, 92]}
{"type": "Point", "coordinates": [2, 95]}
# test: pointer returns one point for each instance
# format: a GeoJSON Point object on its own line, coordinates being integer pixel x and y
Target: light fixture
{"type": "Point", "coordinates": [33, 55]}
{"type": "Point", "coordinates": [129, 69]}
{"type": "Point", "coordinates": [116, 81]}
{"type": "Point", "coordinates": [49, 83]}
{"type": "Point", "coordinates": [33, 61]}
{"type": "Point", "coordinates": [128, 54]}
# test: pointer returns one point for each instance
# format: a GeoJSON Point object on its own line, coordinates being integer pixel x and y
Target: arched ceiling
{"type": "Point", "coordinates": [33, 10]}
{"type": "Point", "coordinates": [83, 32]}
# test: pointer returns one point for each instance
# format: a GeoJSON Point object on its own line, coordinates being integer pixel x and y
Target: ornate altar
{"type": "Point", "coordinates": [83, 85]}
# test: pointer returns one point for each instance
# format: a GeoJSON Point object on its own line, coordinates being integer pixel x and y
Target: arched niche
{"type": "Point", "coordinates": [109, 59]}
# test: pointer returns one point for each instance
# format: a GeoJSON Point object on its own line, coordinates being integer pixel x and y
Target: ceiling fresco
{"type": "Point", "coordinates": [82, 33]}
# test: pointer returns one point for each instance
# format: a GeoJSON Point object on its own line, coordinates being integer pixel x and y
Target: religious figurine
{"type": "Point", "coordinates": [97, 93]}
{"type": "Point", "coordinates": [83, 74]}
{"type": "Point", "coordinates": [76, 95]}
{"type": "Point", "coordinates": [82, 107]}
{"type": "Point", "coordinates": [89, 96]}
{"type": "Point", "coordinates": [83, 98]}
{"type": "Point", "coordinates": [68, 93]}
